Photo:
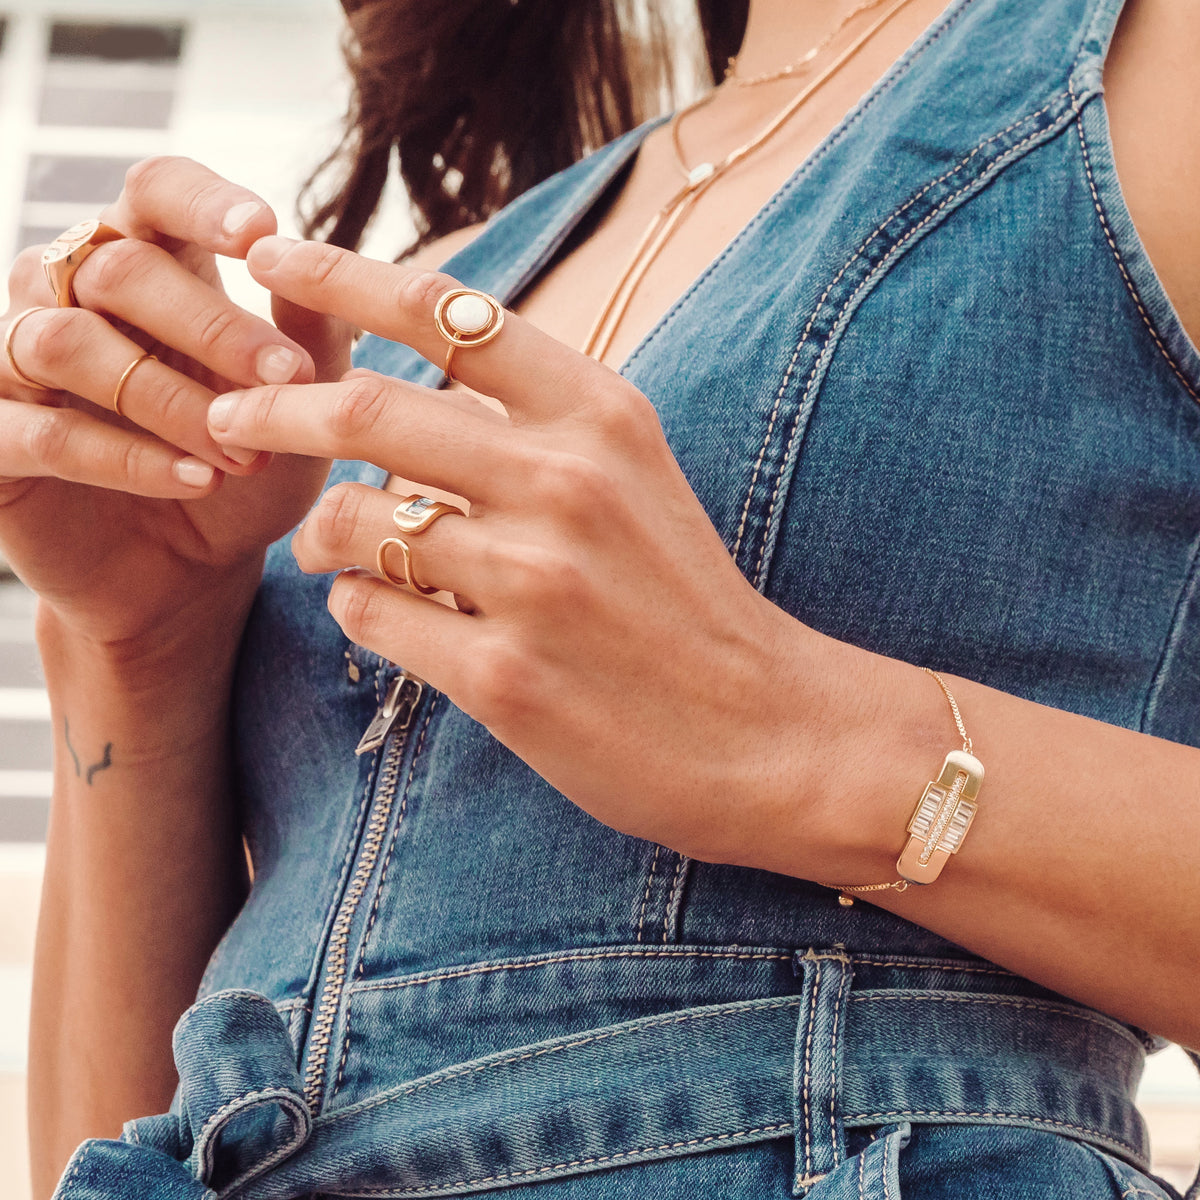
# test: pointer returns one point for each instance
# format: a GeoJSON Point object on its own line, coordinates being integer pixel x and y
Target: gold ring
{"type": "Point", "coordinates": [414, 514]}
{"type": "Point", "coordinates": [129, 370]}
{"type": "Point", "coordinates": [62, 258]}
{"type": "Point", "coordinates": [409, 578]}
{"type": "Point", "coordinates": [8, 350]}
{"type": "Point", "coordinates": [466, 317]}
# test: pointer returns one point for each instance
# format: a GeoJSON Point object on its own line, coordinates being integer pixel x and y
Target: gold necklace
{"type": "Point", "coordinates": [734, 80]}
{"type": "Point", "coordinates": [698, 180]}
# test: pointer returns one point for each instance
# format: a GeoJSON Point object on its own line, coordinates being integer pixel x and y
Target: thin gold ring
{"type": "Point", "coordinates": [409, 579]}
{"type": "Point", "coordinates": [470, 327]}
{"type": "Point", "coordinates": [129, 370]}
{"type": "Point", "coordinates": [8, 350]}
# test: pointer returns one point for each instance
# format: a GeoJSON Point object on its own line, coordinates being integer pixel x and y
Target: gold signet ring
{"type": "Point", "coordinates": [62, 258]}
{"type": "Point", "coordinates": [414, 514]}
{"type": "Point", "coordinates": [8, 350]}
{"type": "Point", "coordinates": [466, 317]}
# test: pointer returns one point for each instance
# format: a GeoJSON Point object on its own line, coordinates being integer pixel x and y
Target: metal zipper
{"type": "Point", "coordinates": [395, 716]}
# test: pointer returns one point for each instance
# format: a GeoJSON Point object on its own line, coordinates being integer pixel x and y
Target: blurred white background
{"type": "Point", "coordinates": [255, 89]}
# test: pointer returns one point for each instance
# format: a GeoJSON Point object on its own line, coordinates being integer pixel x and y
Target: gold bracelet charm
{"type": "Point", "coordinates": [941, 819]}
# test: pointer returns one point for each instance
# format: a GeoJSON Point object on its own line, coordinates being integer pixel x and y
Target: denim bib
{"type": "Point", "coordinates": [937, 403]}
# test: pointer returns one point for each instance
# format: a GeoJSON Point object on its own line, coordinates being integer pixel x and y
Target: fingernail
{"type": "Point", "coordinates": [220, 413]}
{"type": "Point", "coordinates": [269, 250]}
{"type": "Point", "coordinates": [277, 364]}
{"type": "Point", "coordinates": [193, 472]}
{"type": "Point", "coordinates": [239, 216]}
{"type": "Point", "coordinates": [239, 455]}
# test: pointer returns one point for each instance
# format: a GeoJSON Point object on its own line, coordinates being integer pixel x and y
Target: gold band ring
{"type": "Point", "coordinates": [129, 370]}
{"type": "Point", "coordinates": [8, 350]}
{"type": "Point", "coordinates": [413, 515]}
{"type": "Point", "coordinates": [64, 256]}
{"type": "Point", "coordinates": [406, 553]}
{"type": "Point", "coordinates": [467, 317]}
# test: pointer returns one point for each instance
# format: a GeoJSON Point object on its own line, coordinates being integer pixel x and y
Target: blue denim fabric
{"type": "Point", "coordinates": [937, 403]}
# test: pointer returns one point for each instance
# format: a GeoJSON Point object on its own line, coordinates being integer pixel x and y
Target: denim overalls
{"type": "Point", "coordinates": [937, 403]}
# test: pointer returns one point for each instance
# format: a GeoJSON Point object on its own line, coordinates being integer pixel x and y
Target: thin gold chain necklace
{"type": "Point", "coordinates": [698, 180]}
{"type": "Point", "coordinates": [734, 80]}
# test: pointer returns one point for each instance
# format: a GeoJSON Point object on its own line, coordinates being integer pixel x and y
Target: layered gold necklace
{"type": "Point", "coordinates": [700, 178]}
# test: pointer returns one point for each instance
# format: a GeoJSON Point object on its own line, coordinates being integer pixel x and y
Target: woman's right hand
{"type": "Point", "coordinates": [122, 525]}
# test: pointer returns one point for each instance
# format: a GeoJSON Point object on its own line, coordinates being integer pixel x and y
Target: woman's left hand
{"type": "Point", "coordinates": [604, 633]}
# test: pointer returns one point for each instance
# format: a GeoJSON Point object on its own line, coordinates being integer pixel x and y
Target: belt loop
{"type": "Point", "coordinates": [817, 1069]}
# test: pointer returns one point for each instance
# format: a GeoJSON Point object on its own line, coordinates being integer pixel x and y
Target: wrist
{"type": "Point", "coordinates": [858, 737]}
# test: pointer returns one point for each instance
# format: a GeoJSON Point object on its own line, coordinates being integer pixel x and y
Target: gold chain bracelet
{"type": "Point", "coordinates": [941, 819]}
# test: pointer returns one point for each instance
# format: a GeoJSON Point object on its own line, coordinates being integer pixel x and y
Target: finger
{"type": "Point", "coordinates": [144, 286]}
{"type": "Point", "coordinates": [535, 377]}
{"type": "Point", "coordinates": [328, 340]}
{"type": "Point", "coordinates": [351, 520]}
{"type": "Point", "coordinates": [39, 442]}
{"type": "Point", "coordinates": [74, 350]}
{"type": "Point", "coordinates": [406, 429]}
{"type": "Point", "coordinates": [433, 641]}
{"type": "Point", "coordinates": [175, 201]}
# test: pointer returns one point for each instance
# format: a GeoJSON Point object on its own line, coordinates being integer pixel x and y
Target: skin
{"type": "Point", "coordinates": [147, 589]}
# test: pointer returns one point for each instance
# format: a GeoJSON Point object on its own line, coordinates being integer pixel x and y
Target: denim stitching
{"type": "Point", "coordinates": [551, 960]}
{"type": "Point", "coordinates": [1116, 253]}
{"type": "Point", "coordinates": [257, 1097]}
{"type": "Point", "coordinates": [833, 1064]}
{"type": "Point", "coordinates": [887, 1155]}
{"type": "Point", "coordinates": [388, 1097]}
{"type": "Point", "coordinates": [825, 296]}
{"type": "Point", "coordinates": [998, 1116]}
{"type": "Point", "coordinates": [80, 1155]}
{"type": "Point", "coordinates": [1041, 1005]}
{"type": "Point", "coordinates": [811, 997]}
{"type": "Point", "coordinates": [362, 953]}
{"type": "Point", "coordinates": [984, 177]}
{"type": "Point", "coordinates": [646, 895]}
{"type": "Point", "coordinates": [835, 136]}
{"type": "Point", "coordinates": [577, 1162]}
{"type": "Point", "coordinates": [672, 913]}
{"type": "Point", "coordinates": [861, 1193]}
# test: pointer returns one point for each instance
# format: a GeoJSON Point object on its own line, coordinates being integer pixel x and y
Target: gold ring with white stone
{"type": "Point", "coordinates": [466, 317]}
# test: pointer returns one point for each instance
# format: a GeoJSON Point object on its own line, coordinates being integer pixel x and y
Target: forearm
{"type": "Point", "coordinates": [144, 871]}
{"type": "Point", "coordinates": [1080, 870]}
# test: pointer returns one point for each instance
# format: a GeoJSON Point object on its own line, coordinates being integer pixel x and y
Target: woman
{"type": "Point", "coordinates": [569, 915]}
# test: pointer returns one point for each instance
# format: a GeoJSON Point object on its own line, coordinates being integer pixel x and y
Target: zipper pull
{"type": "Point", "coordinates": [396, 711]}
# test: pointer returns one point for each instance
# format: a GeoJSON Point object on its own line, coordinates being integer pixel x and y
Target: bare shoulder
{"type": "Point", "coordinates": [431, 256]}
{"type": "Point", "coordinates": [1152, 91]}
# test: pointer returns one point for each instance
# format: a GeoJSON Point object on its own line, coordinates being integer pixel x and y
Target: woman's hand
{"type": "Point", "coordinates": [119, 523]}
{"type": "Point", "coordinates": [604, 633]}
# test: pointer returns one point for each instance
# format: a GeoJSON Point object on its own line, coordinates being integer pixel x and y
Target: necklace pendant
{"type": "Point", "coordinates": [697, 175]}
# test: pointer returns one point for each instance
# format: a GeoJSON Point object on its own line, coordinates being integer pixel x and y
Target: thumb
{"type": "Point", "coordinates": [328, 339]}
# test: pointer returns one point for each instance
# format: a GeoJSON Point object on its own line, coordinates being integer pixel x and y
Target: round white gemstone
{"type": "Point", "coordinates": [469, 314]}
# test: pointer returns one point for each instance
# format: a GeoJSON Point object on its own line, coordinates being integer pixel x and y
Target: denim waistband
{"type": "Point", "coordinates": [806, 1066]}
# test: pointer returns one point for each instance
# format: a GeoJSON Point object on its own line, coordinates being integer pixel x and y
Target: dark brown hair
{"type": "Point", "coordinates": [478, 100]}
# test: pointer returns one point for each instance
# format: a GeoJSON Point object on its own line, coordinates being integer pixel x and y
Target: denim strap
{"type": "Point", "coordinates": [658, 1087]}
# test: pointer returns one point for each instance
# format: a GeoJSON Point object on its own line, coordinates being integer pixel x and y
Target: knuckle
{"type": "Point", "coordinates": [113, 268]}
{"type": "Point", "coordinates": [145, 174]}
{"type": "Point", "coordinates": [358, 405]}
{"type": "Point", "coordinates": [573, 484]}
{"type": "Point", "coordinates": [498, 680]}
{"type": "Point", "coordinates": [335, 517]}
{"type": "Point", "coordinates": [173, 399]}
{"type": "Point", "coordinates": [542, 578]}
{"type": "Point", "coordinates": [202, 200]}
{"type": "Point", "coordinates": [627, 418]}
{"type": "Point", "coordinates": [214, 328]}
{"type": "Point", "coordinates": [327, 263]}
{"type": "Point", "coordinates": [418, 291]}
{"type": "Point", "coordinates": [48, 436]}
{"type": "Point", "coordinates": [53, 337]}
{"type": "Point", "coordinates": [136, 459]}
{"type": "Point", "coordinates": [357, 606]}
